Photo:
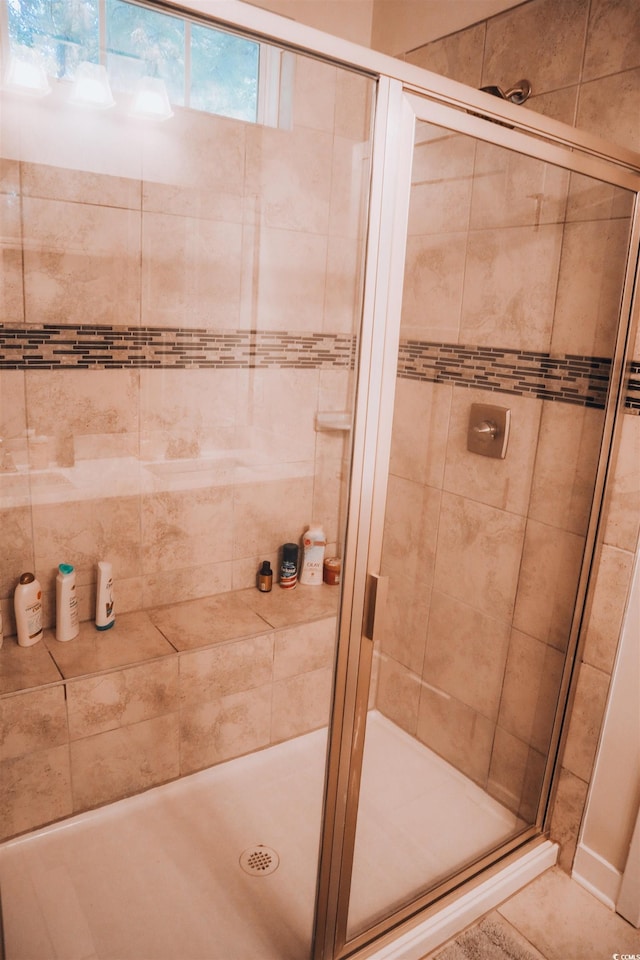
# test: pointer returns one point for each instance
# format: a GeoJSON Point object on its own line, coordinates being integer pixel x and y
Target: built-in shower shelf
{"type": "Point", "coordinates": [333, 420]}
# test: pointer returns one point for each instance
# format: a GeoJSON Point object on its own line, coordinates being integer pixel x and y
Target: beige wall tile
{"type": "Point", "coordinates": [344, 274]}
{"type": "Point", "coordinates": [419, 454]}
{"type": "Point", "coordinates": [478, 557]}
{"type": "Point", "coordinates": [278, 421]}
{"type": "Point", "coordinates": [303, 648]}
{"type": "Point", "coordinates": [531, 688]}
{"type": "Point", "coordinates": [466, 654]}
{"type": "Point", "coordinates": [591, 199]}
{"type": "Point", "coordinates": [190, 271]}
{"type": "Point", "coordinates": [457, 733]}
{"type": "Point", "coordinates": [32, 721]}
{"type": "Point", "coordinates": [258, 531]}
{"type": "Point", "coordinates": [82, 263]}
{"type": "Point", "coordinates": [99, 407]}
{"type": "Point", "coordinates": [410, 531]}
{"type": "Point", "coordinates": [398, 694]}
{"type": "Point", "coordinates": [192, 583]}
{"type": "Point", "coordinates": [532, 786]}
{"type": "Point", "coordinates": [188, 414]}
{"type": "Point", "coordinates": [301, 704]}
{"type": "Point", "coordinates": [499, 483]}
{"type": "Point", "coordinates": [557, 104]}
{"type": "Point", "coordinates": [222, 729]}
{"type": "Point", "coordinates": [186, 528]}
{"type": "Point", "coordinates": [34, 789]}
{"type": "Point", "coordinates": [85, 531]}
{"type": "Point", "coordinates": [442, 177]}
{"type": "Point", "coordinates": [354, 99]}
{"type": "Point", "coordinates": [80, 186]}
{"type": "Point", "coordinates": [550, 569]}
{"type": "Point", "coordinates": [608, 603]}
{"type": "Point", "coordinates": [609, 108]}
{"type": "Point", "coordinates": [17, 550]}
{"type": "Point", "coordinates": [568, 807]}
{"type": "Point", "coordinates": [510, 285]}
{"type": "Point", "coordinates": [507, 770]}
{"type": "Point", "coordinates": [566, 463]}
{"type": "Point", "coordinates": [520, 44]}
{"type": "Point", "coordinates": [403, 629]}
{"type": "Point", "coordinates": [290, 170]}
{"type": "Point", "coordinates": [512, 190]}
{"type": "Point", "coordinates": [314, 94]}
{"type": "Point", "coordinates": [290, 280]}
{"type": "Point", "coordinates": [120, 698]}
{"type": "Point", "coordinates": [350, 175]}
{"type": "Point", "coordinates": [458, 56]}
{"type": "Point", "coordinates": [434, 276]}
{"type": "Point", "coordinates": [227, 669]}
{"type": "Point", "coordinates": [194, 167]}
{"type": "Point", "coordinates": [623, 507]}
{"type": "Point", "coordinates": [586, 719]}
{"type": "Point", "coordinates": [590, 285]}
{"type": "Point", "coordinates": [11, 290]}
{"type": "Point", "coordinates": [613, 38]}
{"type": "Point", "coordinates": [122, 762]}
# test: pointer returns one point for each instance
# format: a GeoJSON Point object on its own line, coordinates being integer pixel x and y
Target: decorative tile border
{"type": "Point", "coordinates": [104, 347]}
{"type": "Point", "coordinates": [568, 378]}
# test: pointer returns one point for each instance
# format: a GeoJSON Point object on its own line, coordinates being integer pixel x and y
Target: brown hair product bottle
{"type": "Point", "coordinates": [265, 577]}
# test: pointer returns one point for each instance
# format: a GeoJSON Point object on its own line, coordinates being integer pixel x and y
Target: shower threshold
{"type": "Point", "coordinates": [160, 876]}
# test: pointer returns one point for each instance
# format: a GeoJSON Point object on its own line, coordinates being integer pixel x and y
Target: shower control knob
{"type": "Point", "coordinates": [486, 431]}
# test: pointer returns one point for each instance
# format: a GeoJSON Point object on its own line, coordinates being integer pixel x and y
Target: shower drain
{"type": "Point", "coordinates": [259, 861]}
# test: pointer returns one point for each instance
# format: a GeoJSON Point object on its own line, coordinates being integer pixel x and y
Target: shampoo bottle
{"type": "Point", "coordinates": [67, 625]}
{"type": "Point", "coordinates": [314, 543]}
{"type": "Point", "coordinates": [105, 613]}
{"type": "Point", "coordinates": [265, 577]}
{"type": "Point", "coordinates": [28, 606]}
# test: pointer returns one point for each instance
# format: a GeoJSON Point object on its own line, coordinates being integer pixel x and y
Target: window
{"type": "Point", "coordinates": [204, 68]}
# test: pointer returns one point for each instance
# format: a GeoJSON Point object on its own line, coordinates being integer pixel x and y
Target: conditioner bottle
{"type": "Point", "coordinates": [67, 625]}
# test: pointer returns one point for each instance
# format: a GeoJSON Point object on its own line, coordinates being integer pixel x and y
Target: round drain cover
{"type": "Point", "coordinates": [259, 861]}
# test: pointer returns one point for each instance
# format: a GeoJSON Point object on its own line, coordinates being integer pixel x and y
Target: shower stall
{"type": "Point", "coordinates": [344, 290]}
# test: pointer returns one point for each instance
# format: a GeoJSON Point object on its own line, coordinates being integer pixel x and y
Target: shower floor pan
{"type": "Point", "coordinates": [164, 875]}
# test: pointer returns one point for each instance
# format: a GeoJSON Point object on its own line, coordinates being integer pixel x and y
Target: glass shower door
{"type": "Point", "coordinates": [513, 280]}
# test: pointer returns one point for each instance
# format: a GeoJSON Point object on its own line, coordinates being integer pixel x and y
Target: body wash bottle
{"type": "Point", "coordinates": [67, 625]}
{"type": "Point", "coordinates": [314, 543]}
{"type": "Point", "coordinates": [105, 613]}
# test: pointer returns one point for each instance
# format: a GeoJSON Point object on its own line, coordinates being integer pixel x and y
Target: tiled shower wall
{"type": "Point", "coordinates": [178, 302]}
{"type": "Point", "coordinates": [583, 60]}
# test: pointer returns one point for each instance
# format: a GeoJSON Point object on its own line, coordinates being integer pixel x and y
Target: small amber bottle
{"type": "Point", "coordinates": [265, 577]}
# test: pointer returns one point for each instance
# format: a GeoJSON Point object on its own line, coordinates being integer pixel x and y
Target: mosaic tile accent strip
{"type": "Point", "coordinates": [568, 378]}
{"type": "Point", "coordinates": [632, 400]}
{"type": "Point", "coordinates": [84, 347]}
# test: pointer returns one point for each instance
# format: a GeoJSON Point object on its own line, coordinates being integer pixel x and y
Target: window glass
{"type": "Point", "coordinates": [144, 42]}
{"type": "Point", "coordinates": [224, 73]}
{"type": "Point", "coordinates": [65, 32]}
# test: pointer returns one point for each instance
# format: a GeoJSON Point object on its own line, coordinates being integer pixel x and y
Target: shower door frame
{"type": "Point", "coordinates": [400, 106]}
{"type": "Point", "coordinates": [405, 92]}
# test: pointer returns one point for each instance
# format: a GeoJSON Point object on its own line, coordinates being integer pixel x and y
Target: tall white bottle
{"type": "Point", "coordinates": [314, 543]}
{"type": "Point", "coordinates": [105, 612]}
{"type": "Point", "coordinates": [27, 601]}
{"type": "Point", "coordinates": [67, 624]}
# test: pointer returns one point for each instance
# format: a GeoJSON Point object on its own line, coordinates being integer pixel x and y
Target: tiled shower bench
{"type": "Point", "coordinates": [162, 694]}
